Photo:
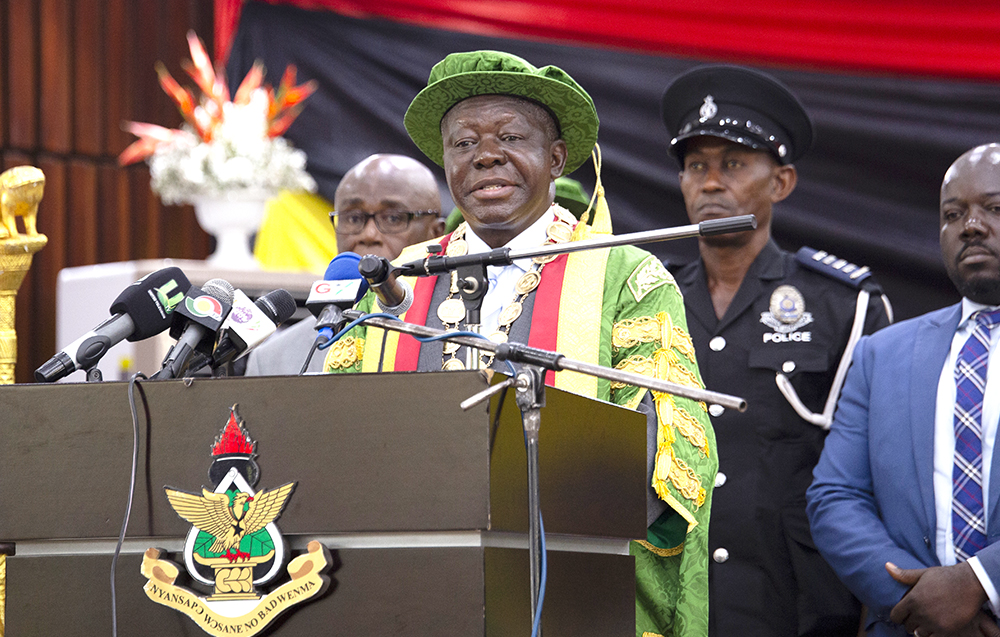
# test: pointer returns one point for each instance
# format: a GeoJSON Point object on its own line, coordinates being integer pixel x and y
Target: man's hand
{"type": "Point", "coordinates": [942, 600]}
{"type": "Point", "coordinates": [982, 626]}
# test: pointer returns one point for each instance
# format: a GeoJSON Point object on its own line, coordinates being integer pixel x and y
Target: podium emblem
{"type": "Point", "coordinates": [234, 546]}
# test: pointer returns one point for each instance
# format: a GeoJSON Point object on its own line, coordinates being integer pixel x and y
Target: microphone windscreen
{"type": "Point", "coordinates": [278, 305]}
{"type": "Point", "coordinates": [344, 266]}
{"type": "Point", "coordinates": [150, 301]}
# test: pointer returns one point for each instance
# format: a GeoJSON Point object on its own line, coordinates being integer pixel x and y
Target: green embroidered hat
{"type": "Point", "coordinates": [463, 75]}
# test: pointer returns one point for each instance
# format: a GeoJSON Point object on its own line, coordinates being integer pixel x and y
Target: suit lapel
{"type": "Point", "coordinates": [931, 347]}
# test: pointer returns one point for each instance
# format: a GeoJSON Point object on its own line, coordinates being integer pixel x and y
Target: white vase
{"type": "Point", "coordinates": [232, 221]}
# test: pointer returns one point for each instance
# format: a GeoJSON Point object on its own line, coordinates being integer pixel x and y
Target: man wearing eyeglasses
{"type": "Point", "coordinates": [383, 204]}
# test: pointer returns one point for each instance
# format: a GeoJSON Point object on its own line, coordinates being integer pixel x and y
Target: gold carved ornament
{"type": "Point", "coordinates": [344, 354]}
{"type": "Point", "coordinates": [21, 190]}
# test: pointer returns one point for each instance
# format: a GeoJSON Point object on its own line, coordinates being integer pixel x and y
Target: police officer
{"type": "Point", "coordinates": [775, 327]}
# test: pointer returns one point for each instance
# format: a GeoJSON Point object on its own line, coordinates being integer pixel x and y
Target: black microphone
{"type": "Point", "coordinates": [342, 286]}
{"type": "Point", "coordinates": [394, 296]}
{"type": "Point", "coordinates": [249, 325]}
{"type": "Point", "coordinates": [142, 310]}
{"type": "Point", "coordinates": [198, 316]}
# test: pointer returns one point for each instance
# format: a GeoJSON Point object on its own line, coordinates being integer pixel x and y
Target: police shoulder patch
{"type": "Point", "coordinates": [648, 275]}
{"type": "Point", "coordinates": [833, 266]}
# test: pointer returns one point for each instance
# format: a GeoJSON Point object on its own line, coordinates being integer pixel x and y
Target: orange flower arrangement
{"type": "Point", "coordinates": [225, 145]}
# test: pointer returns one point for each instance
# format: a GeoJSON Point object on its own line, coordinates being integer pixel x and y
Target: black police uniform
{"type": "Point", "coordinates": [765, 575]}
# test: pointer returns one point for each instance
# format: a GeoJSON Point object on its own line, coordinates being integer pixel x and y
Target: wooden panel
{"type": "Point", "coordinates": [82, 213]}
{"type": "Point", "coordinates": [118, 77]}
{"type": "Point", "coordinates": [4, 57]}
{"type": "Point", "coordinates": [23, 93]}
{"type": "Point", "coordinates": [114, 238]}
{"type": "Point", "coordinates": [55, 124]}
{"type": "Point", "coordinates": [145, 93]}
{"type": "Point", "coordinates": [88, 71]}
{"type": "Point", "coordinates": [146, 211]}
{"type": "Point", "coordinates": [48, 262]}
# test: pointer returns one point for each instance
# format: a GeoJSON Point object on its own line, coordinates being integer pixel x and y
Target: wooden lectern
{"type": "Point", "coordinates": [423, 507]}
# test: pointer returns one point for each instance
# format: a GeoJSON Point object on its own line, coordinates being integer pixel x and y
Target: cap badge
{"type": "Point", "coordinates": [708, 109]}
{"type": "Point", "coordinates": [787, 310]}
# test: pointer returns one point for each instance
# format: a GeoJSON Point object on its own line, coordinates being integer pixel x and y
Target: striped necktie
{"type": "Point", "coordinates": [967, 513]}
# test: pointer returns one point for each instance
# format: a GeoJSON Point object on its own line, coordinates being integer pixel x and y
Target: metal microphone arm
{"type": "Point", "coordinates": [556, 361]}
{"type": "Point", "coordinates": [433, 264]}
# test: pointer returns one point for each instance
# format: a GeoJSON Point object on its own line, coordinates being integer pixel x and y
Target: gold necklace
{"type": "Point", "coordinates": [452, 309]}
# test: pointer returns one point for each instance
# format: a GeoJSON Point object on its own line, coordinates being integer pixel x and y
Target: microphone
{"type": "Point", "coordinates": [248, 325]}
{"type": "Point", "coordinates": [200, 314]}
{"type": "Point", "coordinates": [394, 296]}
{"type": "Point", "coordinates": [342, 286]}
{"type": "Point", "coordinates": [142, 310]}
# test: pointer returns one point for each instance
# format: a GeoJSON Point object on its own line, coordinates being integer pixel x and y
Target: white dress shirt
{"type": "Point", "coordinates": [502, 279]}
{"type": "Point", "coordinates": [944, 443]}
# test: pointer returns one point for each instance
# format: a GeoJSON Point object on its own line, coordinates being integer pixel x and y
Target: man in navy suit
{"type": "Point", "coordinates": [904, 505]}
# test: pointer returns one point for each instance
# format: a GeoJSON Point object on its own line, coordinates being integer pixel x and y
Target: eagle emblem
{"type": "Point", "coordinates": [234, 546]}
{"type": "Point", "coordinates": [229, 517]}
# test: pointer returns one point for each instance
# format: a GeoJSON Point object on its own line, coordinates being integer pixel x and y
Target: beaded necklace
{"type": "Point", "coordinates": [452, 309]}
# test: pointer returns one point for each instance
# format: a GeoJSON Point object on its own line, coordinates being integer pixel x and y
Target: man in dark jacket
{"type": "Point", "coordinates": [773, 327]}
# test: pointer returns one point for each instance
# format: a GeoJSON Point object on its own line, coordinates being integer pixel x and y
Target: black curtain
{"type": "Point", "coordinates": [868, 188]}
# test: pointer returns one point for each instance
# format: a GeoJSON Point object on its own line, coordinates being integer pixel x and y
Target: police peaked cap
{"type": "Point", "coordinates": [739, 104]}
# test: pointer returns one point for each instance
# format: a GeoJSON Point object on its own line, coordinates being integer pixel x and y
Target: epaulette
{"type": "Point", "coordinates": [834, 267]}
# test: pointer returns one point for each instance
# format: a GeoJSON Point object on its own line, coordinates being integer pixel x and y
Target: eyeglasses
{"type": "Point", "coordinates": [387, 221]}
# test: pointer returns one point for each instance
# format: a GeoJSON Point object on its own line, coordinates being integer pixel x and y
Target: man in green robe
{"type": "Point", "coordinates": [504, 131]}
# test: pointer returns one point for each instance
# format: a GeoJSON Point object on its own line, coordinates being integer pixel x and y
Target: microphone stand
{"type": "Point", "coordinates": [434, 263]}
{"type": "Point", "coordinates": [529, 385]}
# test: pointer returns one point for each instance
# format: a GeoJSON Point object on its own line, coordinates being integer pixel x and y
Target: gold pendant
{"type": "Point", "coordinates": [457, 247]}
{"type": "Point", "coordinates": [545, 258]}
{"type": "Point", "coordinates": [453, 365]}
{"type": "Point", "coordinates": [450, 347]}
{"type": "Point", "coordinates": [559, 232]}
{"type": "Point", "coordinates": [451, 311]}
{"type": "Point", "coordinates": [510, 313]}
{"type": "Point", "coordinates": [565, 216]}
{"type": "Point", "coordinates": [498, 337]}
{"type": "Point", "coordinates": [528, 282]}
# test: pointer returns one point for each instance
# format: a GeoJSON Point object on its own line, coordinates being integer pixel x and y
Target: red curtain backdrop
{"type": "Point", "coordinates": [925, 37]}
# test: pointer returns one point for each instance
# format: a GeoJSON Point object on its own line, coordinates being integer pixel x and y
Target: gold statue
{"type": "Point", "coordinates": [21, 190]}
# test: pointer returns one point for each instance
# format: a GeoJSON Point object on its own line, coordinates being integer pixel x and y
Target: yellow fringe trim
{"type": "Point", "coordinates": [678, 417]}
{"type": "Point", "coordinates": [600, 221]}
{"type": "Point", "coordinates": [671, 468]}
{"type": "Point", "coordinates": [668, 366]}
{"type": "Point", "coordinates": [675, 336]}
{"type": "Point", "coordinates": [677, 550]}
{"type": "Point", "coordinates": [652, 635]}
{"type": "Point", "coordinates": [344, 354]}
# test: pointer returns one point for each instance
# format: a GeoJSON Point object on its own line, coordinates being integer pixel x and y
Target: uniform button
{"type": "Point", "coordinates": [717, 344]}
{"type": "Point", "coordinates": [720, 479]}
{"type": "Point", "coordinates": [720, 555]}
{"type": "Point", "coordinates": [716, 410]}
{"type": "Point", "coordinates": [788, 367]}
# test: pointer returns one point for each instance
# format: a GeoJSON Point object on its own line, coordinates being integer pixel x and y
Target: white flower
{"type": "Point", "coordinates": [240, 157]}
